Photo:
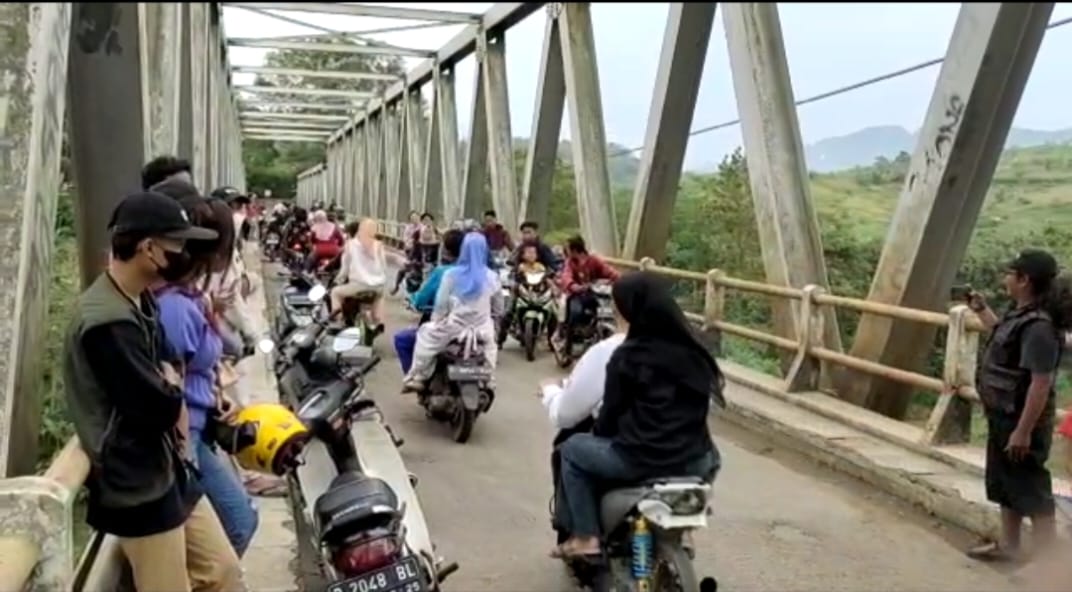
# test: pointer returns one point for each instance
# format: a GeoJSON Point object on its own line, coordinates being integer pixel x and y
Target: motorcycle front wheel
{"type": "Point", "coordinates": [528, 339]}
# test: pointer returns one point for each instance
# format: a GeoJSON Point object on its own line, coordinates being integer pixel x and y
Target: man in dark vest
{"type": "Point", "coordinates": [1016, 385]}
{"type": "Point", "coordinates": [126, 403]}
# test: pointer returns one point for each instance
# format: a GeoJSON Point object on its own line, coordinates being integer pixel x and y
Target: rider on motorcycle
{"type": "Point", "coordinates": [424, 299]}
{"type": "Point", "coordinates": [528, 263]}
{"type": "Point", "coordinates": [530, 234]}
{"type": "Point", "coordinates": [653, 421]}
{"type": "Point", "coordinates": [326, 238]}
{"type": "Point", "coordinates": [467, 304]}
{"type": "Point", "coordinates": [581, 270]}
{"type": "Point", "coordinates": [363, 269]}
{"type": "Point", "coordinates": [497, 236]}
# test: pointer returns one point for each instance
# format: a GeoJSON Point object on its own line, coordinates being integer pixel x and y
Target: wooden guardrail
{"type": "Point", "coordinates": [811, 303]}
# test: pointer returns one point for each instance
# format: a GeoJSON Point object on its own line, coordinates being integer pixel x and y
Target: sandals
{"type": "Point", "coordinates": [412, 387]}
{"type": "Point", "coordinates": [265, 486]}
{"type": "Point", "coordinates": [569, 551]}
{"type": "Point", "coordinates": [993, 552]}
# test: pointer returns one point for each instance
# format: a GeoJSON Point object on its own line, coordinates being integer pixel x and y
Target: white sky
{"type": "Point", "coordinates": [828, 45]}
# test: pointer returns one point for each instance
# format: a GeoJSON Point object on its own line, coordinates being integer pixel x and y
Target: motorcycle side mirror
{"type": "Point", "coordinates": [266, 346]}
{"type": "Point", "coordinates": [317, 293]}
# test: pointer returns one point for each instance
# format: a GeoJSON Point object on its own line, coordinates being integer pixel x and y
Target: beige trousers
{"type": "Point", "coordinates": [195, 557]}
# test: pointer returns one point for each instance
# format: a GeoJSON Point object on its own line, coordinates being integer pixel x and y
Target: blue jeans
{"type": "Point", "coordinates": [227, 495]}
{"type": "Point", "coordinates": [588, 461]}
{"type": "Point", "coordinates": [405, 342]}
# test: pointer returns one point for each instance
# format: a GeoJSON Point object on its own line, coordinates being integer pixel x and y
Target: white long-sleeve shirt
{"type": "Point", "coordinates": [582, 394]}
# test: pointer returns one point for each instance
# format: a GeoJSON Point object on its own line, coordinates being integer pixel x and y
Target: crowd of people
{"type": "Point", "coordinates": [150, 338]}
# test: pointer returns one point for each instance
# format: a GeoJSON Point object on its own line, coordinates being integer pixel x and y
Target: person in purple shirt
{"type": "Point", "coordinates": [192, 336]}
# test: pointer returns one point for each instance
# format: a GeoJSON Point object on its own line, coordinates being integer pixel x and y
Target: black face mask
{"type": "Point", "coordinates": [178, 265]}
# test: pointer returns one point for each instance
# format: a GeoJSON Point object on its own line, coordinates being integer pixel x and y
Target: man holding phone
{"type": "Point", "coordinates": [1016, 386]}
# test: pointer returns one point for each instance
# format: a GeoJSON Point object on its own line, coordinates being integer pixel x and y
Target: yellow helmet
{"type": "Point", "coordinates": [280, 436]}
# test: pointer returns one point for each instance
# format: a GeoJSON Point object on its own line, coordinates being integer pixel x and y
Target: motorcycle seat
{"type": "Point", "coordinates": [618, 502]}
{"type": "Point", "coordinates": [352, 502]}
{"type": "Point", "coordinates": [322, 403]}
{"type": "Point", "coordinates": [455, 351]}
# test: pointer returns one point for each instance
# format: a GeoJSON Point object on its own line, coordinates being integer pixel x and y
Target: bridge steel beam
{"type": "Point", "coordinates": [500, 138]}
{"type": "Point", "coordinates": [401, 171]}
{"type": "Point", "coordinates": [434, 172]}
{"type": "Point", "coordinates": [336, 75]}
{"type": "Point", "coordinates": [109, 138]}
{"type": "Point", "coordinates": [476, 157]}
{"type": "Point", "coordinates": [34, 40]}
{"type": "Point", "coordinates": [542, 154]}
{"type": "Point", "coordinates": [366, 10]}
{"type": "Point", "coordinates": [677, 84]}
{"type": "Point", "coordinates": [588, 136]}
{"type": "Point", "coordinates": [416, 143]}
{"type": "Point", "coordinates": [375, 50]}
{"type": "Point", "coordinates": [785, 214]}
{"type": "Point", "coordinates": [990, 57]}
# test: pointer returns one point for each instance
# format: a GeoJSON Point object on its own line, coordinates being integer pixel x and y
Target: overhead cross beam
{"type": "Point", "coordinates": [324, 92]}
{"type": "Point", "coordinates": [392, 12]}
{"type": "Point", "coordinates": [321, 106]}
{"type": "Point", "coordinates": [295, 116]}
{"type": "Point", "coordinates": [331, 47]}
{"type": "Point", "coordinates": [338, 75]}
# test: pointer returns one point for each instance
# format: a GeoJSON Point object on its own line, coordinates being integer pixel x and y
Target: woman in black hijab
{"type": "Point", "coordinates": [653, 422]}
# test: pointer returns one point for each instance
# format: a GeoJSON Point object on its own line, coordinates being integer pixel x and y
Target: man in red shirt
{"type": "Point", "coordinates": [581, 269]}
{"type": "Point", "coordinates": [497, 236]}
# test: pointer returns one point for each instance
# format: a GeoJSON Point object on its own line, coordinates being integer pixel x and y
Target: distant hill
{"type": "Point", "coordinates": [623, 167]}
{"type": "Point", "coordinates": [862, 147]}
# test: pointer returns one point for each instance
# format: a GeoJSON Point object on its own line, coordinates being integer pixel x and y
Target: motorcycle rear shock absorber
{"type": "Point", "coordinates": [642, 554]}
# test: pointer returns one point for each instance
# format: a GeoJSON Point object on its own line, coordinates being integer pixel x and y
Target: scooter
{"type": "Point", "coordinates": [458, 390]}
{"type": "Point", "coordinates": [594, 326]}
{"type": "Point", "coordinates": [534, 312]}
{"type": "Point", "coordinates": [366, 520]}
{"type": "Point", "coordinates": [643, 542]}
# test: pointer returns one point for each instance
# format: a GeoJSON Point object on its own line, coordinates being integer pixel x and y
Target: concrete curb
{"type": "Point", "coordinates": [950, 489]}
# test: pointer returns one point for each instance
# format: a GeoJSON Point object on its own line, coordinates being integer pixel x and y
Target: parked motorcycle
{"type": "Point", "coordinates": [366, 521]}
{"type": "Point", "coordinates": [458, 390]}
{"type": "Point", "coordinates": [591, 327]}
{"type": "Point", "coordinates": [270, 246]}
{"type": "Point", "coordinates": [534, 312]}
{"type": "Point", "coordinates": [296, 309]}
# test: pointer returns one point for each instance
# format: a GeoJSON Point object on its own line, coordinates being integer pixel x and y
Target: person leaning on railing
{"type": "Point", "coordinates": [126, 403]}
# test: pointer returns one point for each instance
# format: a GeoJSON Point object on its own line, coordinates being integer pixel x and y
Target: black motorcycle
{"type": "Point", "coordinates": [533, 312]}
{"type": "Point", "coordinates": [458, 390]}
{"type": "Point", "coordinates": [643, 526]}
{"type": "Point", "coordinates": [357, 520]}
{"type": "Point", "coordinates": [594, 324]}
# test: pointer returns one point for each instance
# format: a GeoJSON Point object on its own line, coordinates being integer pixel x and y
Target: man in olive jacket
{"type": "Point", "coordinates": [126, 403]}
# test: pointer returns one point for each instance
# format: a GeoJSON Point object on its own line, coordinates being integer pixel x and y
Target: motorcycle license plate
{"type": "Point", "coordinates": [272, 240]}
{"type": "Point", "coordinates": [404, 576]}
{"type": "Point", "coordinates": [468, 373]}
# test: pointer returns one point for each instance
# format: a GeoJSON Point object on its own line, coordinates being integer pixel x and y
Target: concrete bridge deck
{"type": "Point", "coordinates": [780, 523]}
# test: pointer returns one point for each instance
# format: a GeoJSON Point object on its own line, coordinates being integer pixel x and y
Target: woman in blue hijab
{"type": "Point", "coordinates": [468, 301]}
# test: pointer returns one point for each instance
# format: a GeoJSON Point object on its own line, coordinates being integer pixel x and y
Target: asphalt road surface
{"type": "Point", "coordinates": [779, 524]}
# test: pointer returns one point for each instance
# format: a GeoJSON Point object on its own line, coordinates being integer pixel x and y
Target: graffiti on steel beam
{"type": "Point", "coordinates": [98, 27]}
{"type": "Point", "coordinates": [954, 113]}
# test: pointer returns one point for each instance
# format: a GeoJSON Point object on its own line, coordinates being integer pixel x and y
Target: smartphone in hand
{"type": "Point", "coordinates": [961, 293]}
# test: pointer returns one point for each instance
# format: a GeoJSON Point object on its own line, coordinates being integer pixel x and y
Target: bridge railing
{"type": "Point", "coordinates": [806, 347]}
{"type": "Point", "coordinates": [37, 548]}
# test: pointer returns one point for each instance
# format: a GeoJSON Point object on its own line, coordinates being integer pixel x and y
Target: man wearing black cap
{"type": "Point", "coordinates": [126, 403]}
{"type": "Point", "coordinates": [1016, 386]}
